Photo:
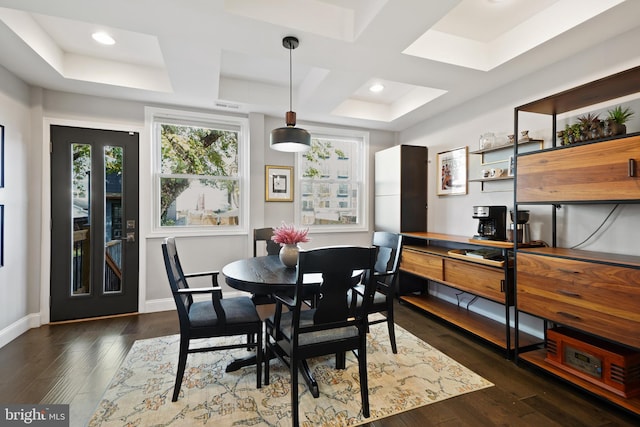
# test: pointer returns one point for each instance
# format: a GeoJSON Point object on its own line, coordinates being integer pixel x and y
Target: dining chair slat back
{"type": "Point", "coordinates": [329, 327]}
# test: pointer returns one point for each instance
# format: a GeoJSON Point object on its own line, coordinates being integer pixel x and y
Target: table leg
{"type": "Point", "coordinates": [308, 378]}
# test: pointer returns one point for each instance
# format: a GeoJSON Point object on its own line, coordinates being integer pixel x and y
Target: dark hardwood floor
{"type": "Point", "coordinates": [74, 362]}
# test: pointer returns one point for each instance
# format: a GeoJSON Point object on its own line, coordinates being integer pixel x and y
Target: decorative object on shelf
{"type": "Point", "coordinates": [617, 119]}
{"type": "Point", "coordinates": [288, 236]}
{"type": "Point", "coordinates": [591, 127]}
{"type": "Point", "coordinates": [487, 140]}
{"type": "Point", "coordinates": [452, 172]}
{"type": "Point", "coordinates": [524, 136]}
{"type": "Point", "coordinates": [495, 172]}
{"type": "Point", "coordinates": [290, 138]}
{"type": "Point", "coordinates": [512, 138]}
{"type": "Point", "coordinates": [279, 183]}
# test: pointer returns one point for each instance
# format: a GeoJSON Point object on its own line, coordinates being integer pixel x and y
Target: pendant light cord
{"type": "Point", "coordinates": [290, 80]}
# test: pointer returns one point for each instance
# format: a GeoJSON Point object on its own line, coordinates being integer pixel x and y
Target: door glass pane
{"type": "Point", "coordinates": [81, 192]}
{"type": "Point", "coordinates": [113, 248]}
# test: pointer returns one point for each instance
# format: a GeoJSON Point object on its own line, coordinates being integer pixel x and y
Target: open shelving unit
{"type": "Point", "coordinates": [593, 295]}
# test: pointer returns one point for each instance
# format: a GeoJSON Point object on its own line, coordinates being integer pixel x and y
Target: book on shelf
{"type": "Point", "coordinates": [492, 254]}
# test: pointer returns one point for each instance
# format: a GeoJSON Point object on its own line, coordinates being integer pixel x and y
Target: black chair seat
{"type": "Point", "coordinates": [237, 311]}
{"type": "Point", "coordinates": [318, 337]}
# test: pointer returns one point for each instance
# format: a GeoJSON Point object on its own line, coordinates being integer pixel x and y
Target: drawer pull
{"type": "Point", "coordinates": [566, 270]}
{"type": "Point", "coordinates": [569, 315]}
{"type": "Point", "coordinates": [568, 293]}
{"type": "Point", "coordinates": [632, 168]}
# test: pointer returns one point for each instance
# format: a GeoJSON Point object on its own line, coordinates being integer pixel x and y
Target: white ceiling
{"type": "Point", "coordinates": [430, 55]}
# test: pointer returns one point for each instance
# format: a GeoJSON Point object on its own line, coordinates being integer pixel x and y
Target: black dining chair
{"type": "Point", "coordinates": [265, 234]}
{"type": "Point", "coordinates": [216, 317]}
{"type": "Point", "coordinates": [272, 248]}
{"type": "Point", "coordinates": [329, 327]}
{"type": "Point", "coordinates": [386, 278]}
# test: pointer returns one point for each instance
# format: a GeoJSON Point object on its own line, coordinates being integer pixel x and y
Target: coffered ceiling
{"type": "Point", "coordinates": [430, 55]}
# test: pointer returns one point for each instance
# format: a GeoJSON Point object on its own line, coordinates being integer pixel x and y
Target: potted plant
{"type": "Point", "coordinates": [617, 119]}
{"type": "Point", "coordinates": [288, 236]}
{"type": "Point", "coordinates": [591, 126]}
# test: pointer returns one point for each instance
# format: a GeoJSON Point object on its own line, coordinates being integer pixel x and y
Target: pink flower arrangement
{"type": "Point", "coordinates": [288, 234]}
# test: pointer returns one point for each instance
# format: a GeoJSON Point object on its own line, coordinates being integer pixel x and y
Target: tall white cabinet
{"type": "Point", "coordinates": [401, 189]}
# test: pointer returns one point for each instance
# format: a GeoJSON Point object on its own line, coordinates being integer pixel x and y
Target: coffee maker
{"type": "Point", "coordinates": [492, 222]}
{"type": "Point", "coordinates": [519, 229]}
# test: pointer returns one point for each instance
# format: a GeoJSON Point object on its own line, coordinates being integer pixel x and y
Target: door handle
{"type": "Point", "coordinates": [131, 237]}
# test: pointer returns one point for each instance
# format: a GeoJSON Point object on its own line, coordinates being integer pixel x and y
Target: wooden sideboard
{"type": "Point", "coordinates": [441, 258]}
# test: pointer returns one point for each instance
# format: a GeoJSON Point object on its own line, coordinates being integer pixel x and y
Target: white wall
{"type": "Point", "coordinates": [19, 277]}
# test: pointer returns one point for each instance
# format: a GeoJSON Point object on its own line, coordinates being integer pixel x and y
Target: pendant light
{"type": "Point", "coordinates": [290, 138]}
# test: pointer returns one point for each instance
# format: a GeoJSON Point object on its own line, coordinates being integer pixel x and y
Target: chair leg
{"type": "Point", "coordinates": [267, 356]}
{"type": "Point", "coordinates": [341, 360]}
{"type": "Point", "coordinates": [259, 354]}
{"type": "Point", "coordinates": [391, 327]}
{"type": "Point", "coordinates": [295, 416]}
{"type": "Point", "coordinates": [182, 363]}
{"type": "Point", "coordinates": [364, 383]}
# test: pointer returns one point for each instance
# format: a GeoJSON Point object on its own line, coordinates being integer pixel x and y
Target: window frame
{"type": "Point", "coordinates": [362, 168]}
{"type": "Point", "coordinates": [155, 117]}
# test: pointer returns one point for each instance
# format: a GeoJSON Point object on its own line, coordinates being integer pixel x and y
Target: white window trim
{"type": "Point", "coordinates": [152, 114]}
{"type": "Point", "coordinates": [363, 164]}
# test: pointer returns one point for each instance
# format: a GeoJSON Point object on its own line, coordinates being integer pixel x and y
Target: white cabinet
{"type": "Point", "coordinates": [400, 188]}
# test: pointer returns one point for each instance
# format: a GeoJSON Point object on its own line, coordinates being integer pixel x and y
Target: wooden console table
{"type": "Point", "coordinates": [435, 257]}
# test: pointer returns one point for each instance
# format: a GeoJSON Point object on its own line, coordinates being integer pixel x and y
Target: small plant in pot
{"type": "Point", "coordinates": [591, 126]}
{"type": "Point", "coordinates": [617, 119]}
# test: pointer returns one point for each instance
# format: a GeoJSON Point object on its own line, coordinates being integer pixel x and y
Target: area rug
{"type": "Point", "coordinates": [140, 392]}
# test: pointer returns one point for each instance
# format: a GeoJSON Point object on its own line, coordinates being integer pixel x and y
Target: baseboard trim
{"type": "Point", "coordinates": [18, 328]}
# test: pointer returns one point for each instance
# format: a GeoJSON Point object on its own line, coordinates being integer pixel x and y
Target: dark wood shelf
{"type": "Point", "coordinates": [510, 146]}
{"type": "Point", "coordinates": [479, 325]}
{"type": "Point", "coordinates": [500, 178]}
{"type": "Point", "coordinates": [537, 357]}
{"type": "Point", "coordinates": [615, 86]}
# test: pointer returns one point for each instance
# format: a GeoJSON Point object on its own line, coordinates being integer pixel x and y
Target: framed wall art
{"type": "Point", "coordinates": [279, 183]}
{"type": "Point", "coordinates": [1, 235]}
{"type": "Point", "coordinates": [1, 156]}
{"type": "Point", "coordinates": [452, 172]}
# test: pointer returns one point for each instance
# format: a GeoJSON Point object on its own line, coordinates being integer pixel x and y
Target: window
{"type": "Point", "coordinates": [199, 171]}
{"type": "Point", "coordinates": [332, 181]}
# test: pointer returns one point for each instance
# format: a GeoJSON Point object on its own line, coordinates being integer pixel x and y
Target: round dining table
{"type": "Point", "coordinates": [266, 275]}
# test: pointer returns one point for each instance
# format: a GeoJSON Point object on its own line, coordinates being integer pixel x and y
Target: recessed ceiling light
{"type": "Point", "coordinates": [103, 38]}
{"type": "Point", "coordinates": [376, 88]}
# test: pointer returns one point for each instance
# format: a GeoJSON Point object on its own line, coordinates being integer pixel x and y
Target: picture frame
{"type": "Point", "coordinates": [1, 235]}
{"type": "Point", "coordinates": [511, 170]}
{"type": "Point", "coordinates": [1, 156]}
{"type": "Point", "coordinates": [279, 183]}
{"type": "Point", "coordinates": [452, 172]}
